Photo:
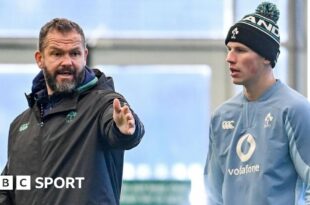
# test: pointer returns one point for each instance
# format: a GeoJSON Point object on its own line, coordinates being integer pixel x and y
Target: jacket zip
{"type": "Point", "coordinates": [41, 115]}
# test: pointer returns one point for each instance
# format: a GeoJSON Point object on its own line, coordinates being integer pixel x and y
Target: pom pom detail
{"type": "Point", "coordinates": [268, 10]}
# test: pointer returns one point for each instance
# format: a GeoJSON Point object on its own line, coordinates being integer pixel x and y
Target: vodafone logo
{"type": "Point", "coordinates": [245, 141]}
{"type": "Point", "coordinates": [247, 138]}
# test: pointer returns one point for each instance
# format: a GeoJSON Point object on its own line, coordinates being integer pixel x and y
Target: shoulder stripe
{"type": "Point", "coordinates": [302, 168]}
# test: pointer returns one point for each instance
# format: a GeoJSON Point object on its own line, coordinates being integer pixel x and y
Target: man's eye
{"type": "Point", "coordinates": [75, 53]}
{"type": "Point", "coordinates": [240, 50]}
{"type": "Point", "coordinates": [57, 54]}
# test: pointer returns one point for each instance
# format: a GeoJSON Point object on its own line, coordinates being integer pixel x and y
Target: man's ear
{"type": "Point", "coordinates": [85, 55]}
{"type": "Point", "coordinates": [39, 59]}
{"type": "Point", "coordinates": [266, 62]}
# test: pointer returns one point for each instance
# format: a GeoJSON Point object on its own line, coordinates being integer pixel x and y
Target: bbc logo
{"type": "Point", "coordinates": [21, 182]}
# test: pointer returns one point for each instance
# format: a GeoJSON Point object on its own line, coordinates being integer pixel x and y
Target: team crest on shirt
{"type": "Point", "coordinates": [70, 116]}
{"type": "Point", "coordinates": [23, 127]}
{"type": "Point", "coordinates": [268, 120]}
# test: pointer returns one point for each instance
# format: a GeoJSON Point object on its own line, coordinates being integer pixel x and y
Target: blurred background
{"type": "Point", "coordinates": [168, 59]}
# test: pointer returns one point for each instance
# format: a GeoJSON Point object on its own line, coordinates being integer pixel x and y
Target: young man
{"type": "Point", "coordinates": [259, 139]}
{"type": "Point", "coordinates": [71, 139]}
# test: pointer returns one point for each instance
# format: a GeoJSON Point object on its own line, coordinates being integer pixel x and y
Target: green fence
{"type": "Point", "coordinates": [155, 192]}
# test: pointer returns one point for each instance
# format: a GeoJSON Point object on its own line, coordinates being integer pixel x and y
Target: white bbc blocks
{"type": "Point", "coordinates": [6, 182]}
{"type": "Point", "coordinates": [20, 182]}
{"type": "Point", "coordinates": [23, 182]}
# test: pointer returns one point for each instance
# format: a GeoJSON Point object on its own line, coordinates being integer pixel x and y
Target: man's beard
{"type": "Point", "coordinates": [66, 85]}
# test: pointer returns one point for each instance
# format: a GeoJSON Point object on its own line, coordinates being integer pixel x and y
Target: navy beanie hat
{"type": "Point", "coordinates": [259, 31]}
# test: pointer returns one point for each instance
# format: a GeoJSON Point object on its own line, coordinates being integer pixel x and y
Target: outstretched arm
{"type": "Point", "coordinates": [121, 127]}
{"type": "Point", "coordinates": [123, 118]}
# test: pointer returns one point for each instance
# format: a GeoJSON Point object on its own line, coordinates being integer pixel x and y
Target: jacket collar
{"type": "Point", "coordinates": [39, 90]}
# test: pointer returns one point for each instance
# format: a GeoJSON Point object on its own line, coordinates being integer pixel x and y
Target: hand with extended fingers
{"type": "Point", "coordinates": [123, 118]}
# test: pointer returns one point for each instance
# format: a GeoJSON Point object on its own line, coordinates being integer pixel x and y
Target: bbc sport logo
{"type": "Point", "coordinates": [23, 182]}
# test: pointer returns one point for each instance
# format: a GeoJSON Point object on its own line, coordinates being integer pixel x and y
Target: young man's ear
{"type": "Point", "coordinates": [266, 62]}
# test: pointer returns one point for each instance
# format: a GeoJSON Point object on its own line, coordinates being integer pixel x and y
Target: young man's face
{"type": "Point", "coordinates": [246, 66]}
{"type": "Point", "coordinates": [62, 60]}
